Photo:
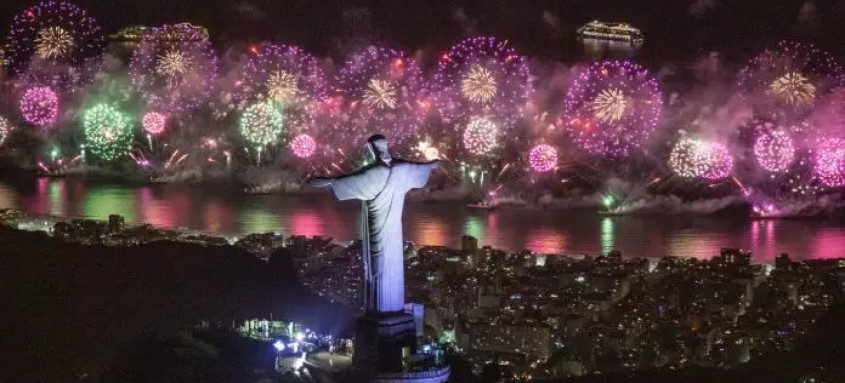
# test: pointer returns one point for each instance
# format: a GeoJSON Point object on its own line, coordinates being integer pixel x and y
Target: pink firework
{"type": "Point", "coordinates": [774, 150]}
{"type": "Point", "coordinates": [542, 158]}
{"type": "Point", "coordinates": [612, 108]}
{"type": "Point", "coordinates": [154, 122]}
{"type": "Point", "coordinates": [379, 88]}
{"type": "Point", "coordinates": [40, 106]}
{"type": "Point", "coordinates": [303, 146]}
{"type": "Point", "coordinates": [720, 162]}
{"type": "Point", "coordinates": [830, 162]}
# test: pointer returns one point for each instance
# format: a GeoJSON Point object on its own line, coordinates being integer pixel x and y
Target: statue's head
{"type": "Point", "coordinates": [378, 146]}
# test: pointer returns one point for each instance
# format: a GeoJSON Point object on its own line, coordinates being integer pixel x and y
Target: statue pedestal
{"type": "Point", "coordinates": [381, 341]}
{"type": "Point", "coordinates": [384, 345]}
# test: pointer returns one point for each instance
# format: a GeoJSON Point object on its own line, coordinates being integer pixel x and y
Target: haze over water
{"type": "Point", "coordinates": [225, 210]}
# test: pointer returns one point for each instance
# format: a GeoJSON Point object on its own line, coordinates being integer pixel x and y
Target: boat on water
{"type": "Point", "coordinates": [490, 202]}
{"type": "Point", "coordinates": [610, 31]}
{"type": "Point", "coordinates": [768, 211]}
{"type": "Point", "coordinates": [487, 204]}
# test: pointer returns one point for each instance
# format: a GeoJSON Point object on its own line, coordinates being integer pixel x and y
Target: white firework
{"type": "Point", "coordinates": [282, 87]}
{"type": "Point", "coordinates": [173, 65]}
{"type": "Point", "coordinates": [380, 94]}
{"type": "Point", "coordinates": [610, 105]}
{"type": "Point", "coordinates": [479, 85]}
{"type": "Point", "coordinates": [794, 89]}
{"type": "Point", "coordinates": [53, 43]}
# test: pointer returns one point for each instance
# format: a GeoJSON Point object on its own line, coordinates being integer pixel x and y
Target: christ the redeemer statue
{"type": "Point", "coordinates": [382, 187]}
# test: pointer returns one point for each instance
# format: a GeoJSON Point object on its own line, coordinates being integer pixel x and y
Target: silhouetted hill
{"type": "Point", "coordinates": [67, 309]}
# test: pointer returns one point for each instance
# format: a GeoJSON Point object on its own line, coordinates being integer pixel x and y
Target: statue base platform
{"type": "Point", "coordinates": [382, 340]}
{"type": "Point", "coordinates": [384, 344]}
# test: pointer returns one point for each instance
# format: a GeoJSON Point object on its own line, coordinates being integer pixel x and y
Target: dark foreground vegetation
{"type": "Point", "coordinates": [67, 311]}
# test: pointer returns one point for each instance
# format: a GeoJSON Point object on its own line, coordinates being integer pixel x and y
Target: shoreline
{"type": "Point", "coordinates": [646, 205]}
{"type": "Point", "coordinates": [651, 205]}
{"type": "Point", "coordinates": [257, 244]}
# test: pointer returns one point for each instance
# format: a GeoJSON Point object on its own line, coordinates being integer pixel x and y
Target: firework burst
{"type": "Point", "coordinates": [792, 75]}
{"type": "Point", "coordinates": [380, 94]}
{"type": "Point", "coordinates": [428, 151]}
{"type": "Point", "coordinates": [54, 43]}
{"type": "Point", "coordinates": [482, 76]}
{"type": "Point", "coordinates": [261, 124]}
{"type": "Point", "coordinates": [154, 122]}
{"type": "Point", "coordinates": [290, 78]}
{"type": "Point", "coordinates": [303, 146]}
{"type": "Point", "coordinates": [175, 68]}
{"type": "Point", "coordinates": [108, 132]}
{"type": "Point", "coordinates": [774, 150]}
{"type": "Point", "coordinates": [378, 89]}
{"type": "Point", "coordinates": [479, 85]}
{"type": "Point", "coordinates": [481, 136]}
{"type": "Point", "coordinates": [612, 108]}
{"type": "Point", "coordinates": [542, 158]}
{"type": "Point", "coordinates": [610, 105]}
{"type": "Point", "coordinates": [688, 158]}
{"type": "Point", "coordinates": [793, 89]}
{"type": "Point", "coordinates": [287, 75]}
{"type": "Point", "coordinates": [282, 87]}
{"type": "Point", "coordinates": [40, 106]}
{"type": "Point", "coordinates": [6, 128]}
{"type": "Point", "coordinates": [694, 158]}
{"type": "Point", "coordinates": [721, 162]}
{"type": "Point", "coordinates": [830, 162]}
{"type": "Point", "coordinates": [173, 65]}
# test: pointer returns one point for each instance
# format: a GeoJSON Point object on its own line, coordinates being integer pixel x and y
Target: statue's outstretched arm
{"type": "Point", "coordinates": [433, 164]}
{"type": "Point", "coordinates": [418, 172]}
{"type": "Point", "coordinates": [327, 181]}
{"type": "Point", "coordinates": [320, 182]}
{"type": "Point", "coordinates": [362, 184]}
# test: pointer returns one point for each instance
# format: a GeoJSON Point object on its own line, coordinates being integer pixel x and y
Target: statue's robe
{"type": "Point", "coordinates": [382, 189]}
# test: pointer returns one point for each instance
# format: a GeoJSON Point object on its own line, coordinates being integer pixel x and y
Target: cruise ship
{"type": "Point", "coordinates": [135, 34]}
{"type": "Point", "coordinates": [600, 30]}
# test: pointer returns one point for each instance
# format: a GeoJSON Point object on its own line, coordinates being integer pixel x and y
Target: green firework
{"type": "Point", "coordinates": [262, 123]}
{"type": "Point", "coordinates": [108, 132]}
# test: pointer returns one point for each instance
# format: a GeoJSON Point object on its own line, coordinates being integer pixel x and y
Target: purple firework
{"type": "Point", "coordinates": [40, 106]}
{"type": "Point", "coordinates": [378, 90]}
{"type": "Point", "coordinates": [54, 43]}
{"type": "Point", "coordinates": [542, 158]}
{"type": "Point", "coordinates": [791, 75]}
{"type": "Point", "coordinates": [830, 162]}
{"type": "Point", "coordinates": [612, 108]}
{"type": "Point", "coordinates": [288, 76]}
{"type": "Point", "coordinates": [721, 163]}
{"type": "Point", "coordinates": [774, 150]}
{"type": "Point", "coordinates": [175, 68]}
{"type": "Point", "coordinates": [482, 76]}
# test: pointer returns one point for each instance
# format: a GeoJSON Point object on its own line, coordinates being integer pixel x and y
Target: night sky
{"type": "Point", "coordinates": [675, 30]}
